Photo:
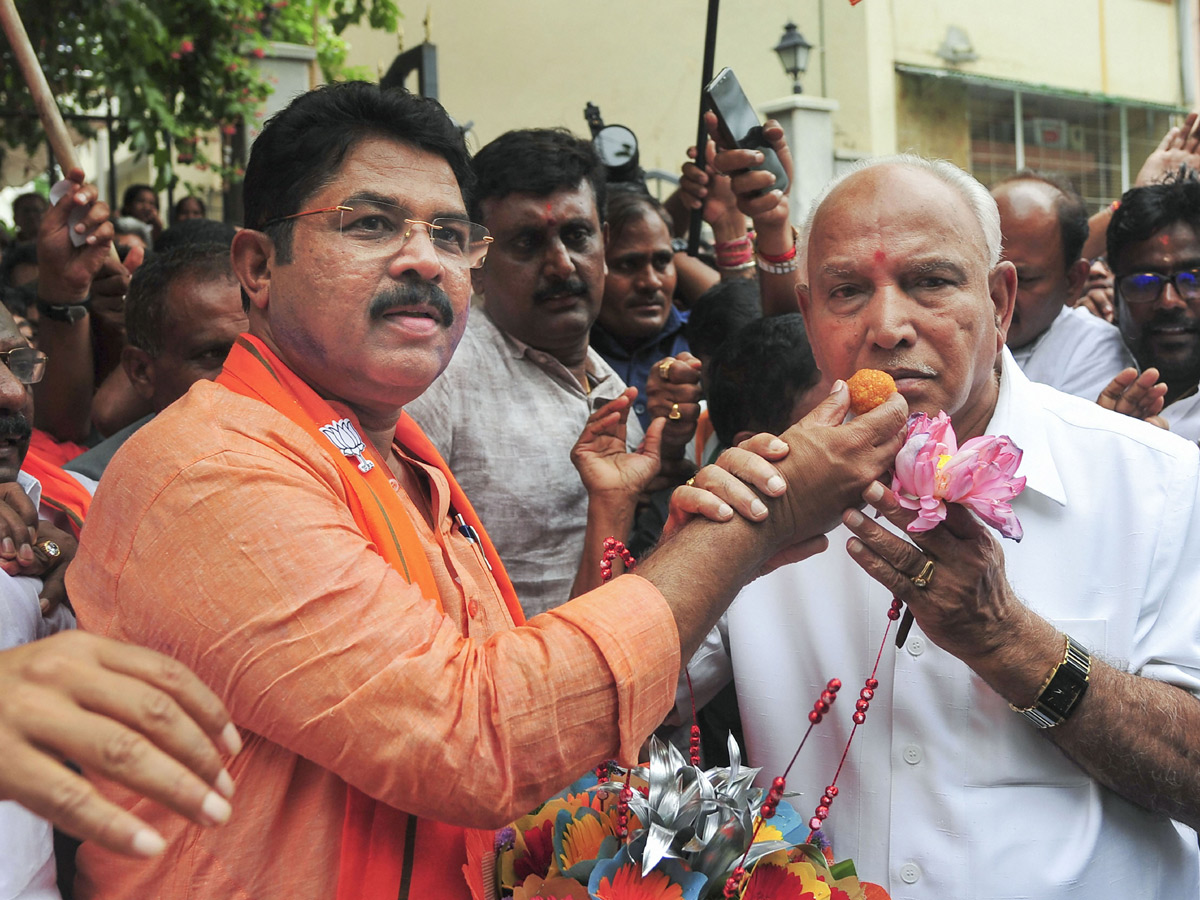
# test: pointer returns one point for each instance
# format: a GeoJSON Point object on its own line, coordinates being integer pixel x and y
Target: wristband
{"type": "Point", "coordinates": [62, 312]}
{"type": "Point", "coordinates": [1062, 690]}
{"type": "Point", "coordinates": [736, 267]}
{"type": "Point", "coordinates": [783, 268]}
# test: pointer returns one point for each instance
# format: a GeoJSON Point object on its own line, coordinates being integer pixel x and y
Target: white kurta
{"type": "Point", "coordinates": [1184, 417]}
{"type": "Point", "coordinates": [946, 791]}
{"type": "Point", "coordinates": [26, 841]}
{"type": "Point", "coordinates": [1078, 354]}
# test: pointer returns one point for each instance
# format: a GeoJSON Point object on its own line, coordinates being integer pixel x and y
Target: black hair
{"type": "Point", "coordinates": [195, 231]}
{"type": "Point", "coordinates": [302, 147]}
{"type": "Point", "coordinates": [536, 161]}
{"type": "Point", "coordinates": [131, 193]}
{"type": "Point", "coordinates": [1070, 209]}
{"type": "Point", "coordinates": [179, 206]}
{"type": "Point", "coordinates": [1145, 211]}
{"type": "Point", "coordinates": [720, 312]}
{"type": "Point", "coordinates": [625, 207]}
{"type": "Point", "coordinates": [756, 376]}
{"type": "Point", "coordinates": [146, 302]}
{"type": "Point", "coordinates": [17, 255]}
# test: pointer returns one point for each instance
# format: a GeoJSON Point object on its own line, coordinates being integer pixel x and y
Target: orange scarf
{"type": "Point", "coordinates": [59, 489]}
{"type": "Point", "coordinates": [386, 854]}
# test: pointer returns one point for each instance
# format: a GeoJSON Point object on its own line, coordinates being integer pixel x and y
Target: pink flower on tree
{"type": "Point", "coordinates": [932, 470]}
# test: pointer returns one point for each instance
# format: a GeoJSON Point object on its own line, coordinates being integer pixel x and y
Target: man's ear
{"type": "Point", "coordinates": [477, 279]}
{"type": "Point", "coordinates": [253, 254]}
{"type": "Point", "coordinates": [804, 298]}
{"type": "Point", "coordinates": [139, 369]}
{"type": "Point", "coordinates": [1002, 287]}
{"type": "Point", "coordinates": [1076, 278]}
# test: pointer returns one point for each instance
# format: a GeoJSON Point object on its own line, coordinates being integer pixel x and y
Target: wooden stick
{"type": "Point", "coordinates": [35, 78]}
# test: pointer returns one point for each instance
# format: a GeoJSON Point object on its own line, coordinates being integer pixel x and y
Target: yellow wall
{"type": "Point", "coordinates": [531, 63]}
{"type": "Point", "coordinates": [521, 63]}
{"type": "Point", "coordinates": [1054, 42]}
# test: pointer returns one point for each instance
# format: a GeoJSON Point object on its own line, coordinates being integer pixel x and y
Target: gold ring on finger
{"type": "Point", "coordinates": [922, 578]}
{"type": "Point", "coordinates": [664, 369]}
{"type": "Point", "coordinates": [674, 415]}
{"type": "Point", "coordinates": [50, 548]}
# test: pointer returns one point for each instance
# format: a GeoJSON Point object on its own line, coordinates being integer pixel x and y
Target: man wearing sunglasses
{"type": "Point", "coordinates": [291, 534]}
{"type": "Point", "coordinates": [1154, 252]}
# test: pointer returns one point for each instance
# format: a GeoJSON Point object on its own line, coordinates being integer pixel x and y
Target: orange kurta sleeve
{"type": "Point", "coordinates": [220, 537]}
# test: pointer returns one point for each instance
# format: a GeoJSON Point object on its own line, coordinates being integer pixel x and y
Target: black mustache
{"type": "Point", "coordinates": [414, 293]}
{"type": "Point", "coordinates": [566, 288]}
{"type": "Point", "coordinates": [15, 427]}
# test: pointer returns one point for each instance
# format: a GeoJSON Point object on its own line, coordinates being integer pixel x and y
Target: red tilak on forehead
{"type": "Point", "coordinates": [1164, 239]}
{"type": "Point", "coordinates": [880, 256]}
{"type": "Point", "coordinates": [549, 218]}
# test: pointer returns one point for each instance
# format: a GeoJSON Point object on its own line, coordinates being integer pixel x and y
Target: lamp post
{"type": "Point", "coordinates": [793, 52]}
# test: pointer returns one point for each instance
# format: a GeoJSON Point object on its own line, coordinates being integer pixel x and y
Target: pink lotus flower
{"type": "Point", "coordinates": [932, 470]}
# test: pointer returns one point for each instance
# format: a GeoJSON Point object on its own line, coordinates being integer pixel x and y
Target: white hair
{"type": "Point", "coordinates": [978, 200]}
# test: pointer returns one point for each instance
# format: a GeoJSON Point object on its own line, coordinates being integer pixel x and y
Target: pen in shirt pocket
{"type": "Point", "coordinates": [472, 536]}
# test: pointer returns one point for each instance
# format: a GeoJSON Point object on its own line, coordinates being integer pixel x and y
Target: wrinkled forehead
{"type": "Point", "coordinates": [898, 209]}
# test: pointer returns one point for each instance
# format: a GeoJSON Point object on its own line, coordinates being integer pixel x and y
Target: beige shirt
{"type": "Point", "coordinates": [505, 416]}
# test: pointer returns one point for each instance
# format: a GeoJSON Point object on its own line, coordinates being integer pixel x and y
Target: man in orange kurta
{"type": "Point", "coordinates": [289, 534]}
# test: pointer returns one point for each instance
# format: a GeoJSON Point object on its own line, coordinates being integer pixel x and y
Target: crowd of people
{"type": "Point", "coordinates": [348, 471]}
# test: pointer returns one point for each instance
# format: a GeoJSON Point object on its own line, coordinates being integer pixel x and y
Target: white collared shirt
{"type": "Point", "coordinates": [1079, 354]}
{"type": "Point", "coordinates": [1184, 416]}
{"type": "Point", "coordinates": [946, 792]}
{"type": "Point", "coordinates": [26, 841]}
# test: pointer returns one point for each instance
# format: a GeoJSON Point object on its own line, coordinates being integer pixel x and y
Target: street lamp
{"type": "Point", "coordinates": [793, 54]}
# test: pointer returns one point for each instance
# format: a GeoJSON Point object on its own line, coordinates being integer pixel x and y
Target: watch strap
{"type": "Point", "coordinates": [62, 312]}
{"type": "Point", "coordinates": [1063, 689]}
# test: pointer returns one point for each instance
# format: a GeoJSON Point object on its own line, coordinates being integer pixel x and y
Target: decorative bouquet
{"type": "Point", "coordinates": [666, 831]}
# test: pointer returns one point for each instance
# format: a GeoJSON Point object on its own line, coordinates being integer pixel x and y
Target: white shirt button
{"type": "Point", "coordinates": [910, 873]}
{"type": "Point", "coordinates": [913, 754]}
{"type": "Point", "coordinates": [915, 646]}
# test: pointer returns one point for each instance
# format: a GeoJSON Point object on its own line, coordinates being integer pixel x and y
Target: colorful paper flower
{"type": "Point", "coordinates": [581, 838]}
{"type": "Point", "coordinates": [621, 878]}
{"type": "Point", "coordinates": [932, 470]}
{"type": "Point", "coordinates": [795, 881]}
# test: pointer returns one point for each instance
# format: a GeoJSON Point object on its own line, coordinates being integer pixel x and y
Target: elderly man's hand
{"type": "Point", "coordinates": [673, 391]}
{"type": "Point", "coordinates": [967, 604]}
{"type": "Point", "coordinates": [1139, 396]}
{"type": "Point", "coordinates": [121, 712]}
{"type": "Point", "coordinates": [820, 466]}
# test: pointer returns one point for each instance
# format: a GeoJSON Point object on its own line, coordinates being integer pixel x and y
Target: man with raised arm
{"type": "Point", "coordinates": [289, 533]}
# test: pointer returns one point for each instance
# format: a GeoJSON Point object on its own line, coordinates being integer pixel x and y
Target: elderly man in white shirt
{"type": "Point", "coordinates": [1086, 791]}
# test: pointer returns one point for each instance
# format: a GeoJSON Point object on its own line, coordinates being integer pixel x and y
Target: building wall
{"type": "Point", "coordinates": [530, 63]}
{"type": "Point", "coordinates": [523, 63]}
